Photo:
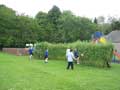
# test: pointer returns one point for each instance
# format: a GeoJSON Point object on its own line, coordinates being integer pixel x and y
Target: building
{"type": "Point", "coordinates": [114, 37]}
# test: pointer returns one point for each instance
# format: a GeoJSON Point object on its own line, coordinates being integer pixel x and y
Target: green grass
{"type": "Point", "coordinates": [18, 73]}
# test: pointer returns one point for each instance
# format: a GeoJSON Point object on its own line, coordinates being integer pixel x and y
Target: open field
{"type": "Point", "coordinates": [18, 73]}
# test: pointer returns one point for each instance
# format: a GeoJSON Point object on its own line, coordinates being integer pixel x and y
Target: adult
{"type": "Point", "coordinates": [70, 57]}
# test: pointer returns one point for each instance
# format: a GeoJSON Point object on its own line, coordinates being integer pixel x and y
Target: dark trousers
{"type": "Point", "coordinates": [70, 64]}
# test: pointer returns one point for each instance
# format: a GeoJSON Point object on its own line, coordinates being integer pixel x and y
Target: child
{"type": "Point", "coordinates": [30, 52]}
{"type": "Point", "coordinates": [46, 56]}
{"type": "Point", "coordinates": [76, 55]}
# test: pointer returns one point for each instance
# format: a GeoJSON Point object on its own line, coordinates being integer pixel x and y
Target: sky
{"type": "Point", "coordinates": [84, 8]}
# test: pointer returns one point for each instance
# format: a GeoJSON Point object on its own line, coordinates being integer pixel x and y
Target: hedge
{"type": "Point", "coordinates": [94, 54]}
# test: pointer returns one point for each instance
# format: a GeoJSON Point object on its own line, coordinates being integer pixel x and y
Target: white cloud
{"type": "Point", "coordinates": [88, 8]}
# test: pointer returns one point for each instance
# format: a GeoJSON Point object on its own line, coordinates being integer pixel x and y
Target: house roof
{"type": "Point", "coordinates": [114, 36]}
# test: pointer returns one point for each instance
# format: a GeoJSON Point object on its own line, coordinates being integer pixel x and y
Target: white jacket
{"type": "Point", "coordinates": [70, 56]}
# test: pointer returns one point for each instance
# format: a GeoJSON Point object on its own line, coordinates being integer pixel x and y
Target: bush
{"type": "Point", "coordinates": [94, 54]}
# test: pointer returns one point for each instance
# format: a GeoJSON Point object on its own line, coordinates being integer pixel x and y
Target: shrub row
{"type": "Point", "coordinates": [94, 54]}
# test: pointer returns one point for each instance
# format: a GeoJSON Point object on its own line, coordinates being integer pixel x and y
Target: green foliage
{"type": "Point", "coordinates": [54, 27]}
{"type": "Point", "coordinates": [95, 21]}
{"type": "Point", "coordinates": [94, 54]}
{"type": "Point", "coordinates": [75, 28]}
{"type": "Point", "coordinates": [97, 55]}
{"type": "Point", "coordinates": [105, 28]}
{"type": "Point", "coordinates": [54, 14]}
{"type": "Point", "coordinates": [7, 17]}
{"type": "Point", "coordinates": [27, 29]}
{"type": "Point", "coordinates": [116, 25]}
{"type": "Point", "coordinates": [16, 30]}
{"type": "Point", "coordinates": [57, 27]}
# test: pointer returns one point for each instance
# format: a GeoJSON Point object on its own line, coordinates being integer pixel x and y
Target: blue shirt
{"type": "Point", "coordinates": [30, 51]}
{"type": "Point", "coordinates": [46, 53]}
{"type": "Point", "coordinates": [76, 53]}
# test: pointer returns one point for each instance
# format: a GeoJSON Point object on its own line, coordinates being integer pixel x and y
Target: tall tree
{"type": "Point", "coordinates": [53, 17]}
{"type": "Point", "coordinates": [115, 25]}
{"type": "Point", "coordinates": [45, 27]}
{"type": "Point", "coordinates": [27, 29]}
{"type": "Point", "coordinates": [16, 30]}
{"type": "Point", "coordinates": [54, 14]}
{"type": "Point", "coordinates": [95, 21]}
{"type": "Point", "coordinates": [7, 17]}
{"type": "Point", "coordinates": [74, 28]}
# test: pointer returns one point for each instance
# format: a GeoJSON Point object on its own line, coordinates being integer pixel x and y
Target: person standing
{"type": "Point", "coordinates": [76, 55]}
{"type": "Point", "coordinates": [67, 51]}
{"type": "Point", "coordinates": [46, 56]}
{"type": "Point", "coordinates": [30, 52]}
{"type": "Point", "coordinates": [70, 58]}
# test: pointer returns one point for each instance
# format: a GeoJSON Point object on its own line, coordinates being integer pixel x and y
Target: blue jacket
{"type": "Point", "coordinates": [30, 51]}
{"type": "Point", "coordinates": [76, 53]}
{"type": "Point", "coordinates": [46, 53]}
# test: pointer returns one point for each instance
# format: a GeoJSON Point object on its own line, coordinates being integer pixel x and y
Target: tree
{"type": "Point", "coordinates": [53, 18]}
{"type": "Point", "coordinates": [46, 28]}
{"type": "Point", "coordinates": [7, 17]}
{"type": "Point", "coordinates": [54, 14]}
{"type": "Point", "coordinates": [74, 28]}
{"type": "Point", "coordinates": [54, 26]}
{"type": "Point", "coordinates": [95, 21]}
{"type": "Point", "coordinates": [115, 22]}
{"type": "Point", "coordinates": [116, 25]}
{"type": "Point", "coordinates": [67, 26]}
{"type": "Point", "coordinates": [26, 31]}
{"type": "Point", "coordinates": [16, 30]}
{"type": "Point", "coordinates": [42, 20]}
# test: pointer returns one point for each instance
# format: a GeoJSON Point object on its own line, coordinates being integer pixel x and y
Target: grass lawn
{"type": "Point", "coordinates": [18, 73]}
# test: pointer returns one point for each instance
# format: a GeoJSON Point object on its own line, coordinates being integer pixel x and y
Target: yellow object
{"type": "Point", "coordinates": [102, 40]}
